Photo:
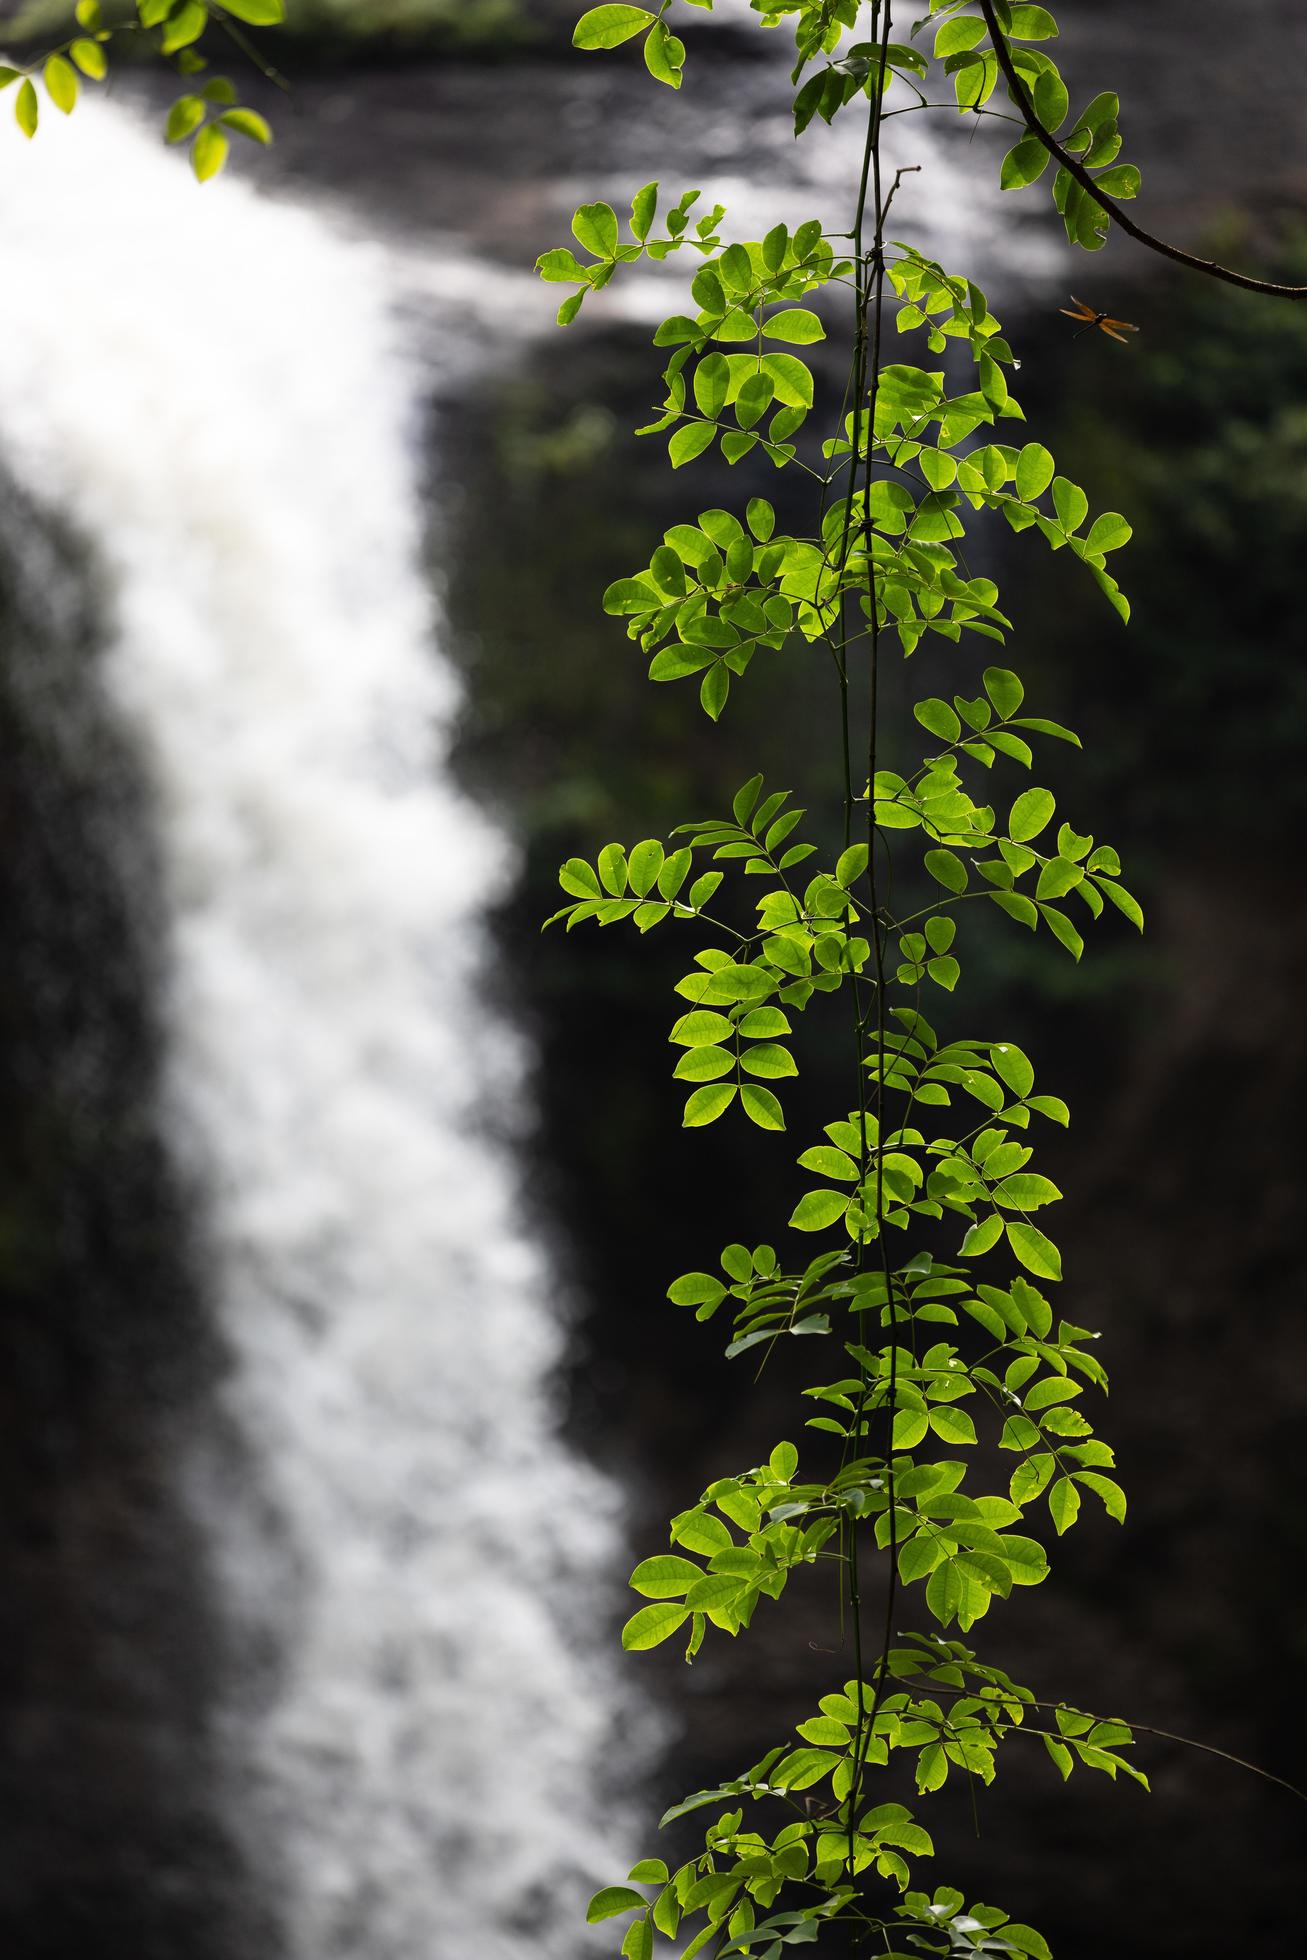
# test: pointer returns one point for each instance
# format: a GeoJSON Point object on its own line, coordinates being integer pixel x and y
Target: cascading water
{"type": "Point", "coordinates": [211, 389]}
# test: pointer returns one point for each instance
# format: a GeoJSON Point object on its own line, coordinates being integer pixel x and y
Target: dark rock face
{"type": "Point", "coordinates": [109, 1837]}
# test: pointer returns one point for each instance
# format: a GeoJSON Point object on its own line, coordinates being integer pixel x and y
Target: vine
{"type": "Point", "coordinates": [932, 1269]}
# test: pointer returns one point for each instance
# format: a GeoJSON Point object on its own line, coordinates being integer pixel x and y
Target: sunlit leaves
{"type": "Point", "coordinates": [664, 55]}
{"type": "Point", "coordinates": [652, 1625]}
{"type": "Point", "coordinates": [937, 1160]}
{"type": "Point", "coordinates": [608, 27]}
{"type": "Point", "coordinates": [209, 152]}
{"type": "Point", "coordinates": [26, 109]}
{"type": "Point", "coordinates": [614, 1899]}
{"type": "Point", "coordinates": [248, 122]}
{"type": "Point", "coordinates": [1037, 1253]}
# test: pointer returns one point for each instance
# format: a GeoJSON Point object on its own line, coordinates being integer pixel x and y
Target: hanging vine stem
{"type": "Point", "coordinates": [917, 459]}
{"type": "Point", "coordinates": [1075, 168]}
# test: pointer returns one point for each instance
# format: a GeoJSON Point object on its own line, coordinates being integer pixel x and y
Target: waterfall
{"type": "Point", "coordinates": [212, 388]}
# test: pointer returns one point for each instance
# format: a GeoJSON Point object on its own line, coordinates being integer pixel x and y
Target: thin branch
{"type": "Point", "coordinates": [1073, 166]}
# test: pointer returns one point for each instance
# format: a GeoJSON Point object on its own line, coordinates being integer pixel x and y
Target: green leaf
{"type": "Point", "coordinates": [754, 399]}
{"type": "Point", "coordinates": [1030, 814]}
{"type": "Point", "coordinates": [852, 863]}
{"type": "Point", "coordinates": [209, 152]}
{"type": "Point", "coordinates": [615, 1899]}
{"type": "Point", "coordinates": [666, 1577]}
{"type": "Point", "coordinates": [649, 1871]}
{"type": "Point", "coordinates": [1064, 1504]}
{"type": "Point", "coordinates": [256, 13]}
{"type": "Point", "coordinates": [1114, 1501]}
{"type": "Point", "coordinates": [608, 27]}
{"type": "Point", "coordinates": [27, 109]}
{"type": "Point", "coordinates": [826, 1161]}
{"type": "Point", "coordinates": [689, 441]}
{"type": "Point", "coordinates": [185, 116]}
{"type": "Point", "coordinates": [932, 1767]}
{"type": "Point", "coordinates": [713, 690]}
{"type": "Point", "coordinates": [1062, 929]}
{"type": "Point", "coordinates": [947, 870]}
{"type": "Point", "coordinates": [638, 1943]}
{"type": "Point", "coordinates": [595, 227]}
{"type": "Point", "coordinates": [61, 83]}
{"type": "Point", "coordinates": [982, 1238]}
{"type": "Point", "coordinates": [796, 325]}
{"type": "Point", "coordinates": [90, 58]}
{"type": "Point", "coordinates": [1123, 181]}
{"type": "Point", "coordinates": [1035, 469]}
{"type": "Point", "coordinates": [643, 866]}
{"type": "Point", "coordinates": [664, 56]}
{"type": "Point", "coordinates": [578, 879]}
{"type": "Point", "coordinates": [649, 1628]}
{"type": "Point", "coordinates": [770, 1060]}
{"type": "Point", "coordinates": [953, 1425]}
{"type": "Point", "coordinates": [711, 383]}
{"type": "Point", "coordinates": [1108, 532]}
{"type": "Point", "coordinates": [819, 1209]}
{"type": "Point", "coordinates": [1030, 23]}
{"type": "Point", "coordinates": [702, 1028]}
{"type": "Point", "coordinates": [707, 1104]}
{"type": "Point", "coordinates": [761, 518]}
{"type": "Point", "coordinates": [1031, 1477]}
{"type": "Point", "coordinates": [644, 205]}
{"type": "Point", "coordinates": [1060, 1755]}
{"type": "Point", "coordinates": [761, 1106]}
{"type": "Point", "coordinates": [1013, 1065]}
{"type": "Point", "coordinates": [1026, 161]}
{"type": "Point", "coordinates": [938, 718]}
{"type": "Point", "coordinates": [1004, 689]}
{"type": "Point", "coordinates": [1026, 1940]}
{"type": "Point", "coordinates": [184, 26]}
{"type": "Point", "coordinates": [1037, 1254]}
{"type": "Point", "coordinates": [1070, 503]}
{"type": "Point", "coordinates": [764, 1023]}
{"type": "Point", "coordinates": [1026, 1191]}
{"type": "Point", "coordinates": [248, 122]}
{"type": "Point", "coordinates": [792, 381]}
{"type": "Point", "coordinates": [958, 35]}
{"type": "Point", "coordinates": [631, 595]}
{"type": "Point", "coordinates": [1123, 901]}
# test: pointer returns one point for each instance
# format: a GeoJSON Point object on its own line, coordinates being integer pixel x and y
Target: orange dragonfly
{"type": "Point", "coordinates": [1091, 317]}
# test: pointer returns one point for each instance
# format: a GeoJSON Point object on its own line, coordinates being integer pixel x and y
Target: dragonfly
{"type": "Point", "coordinates": [1091, 317]}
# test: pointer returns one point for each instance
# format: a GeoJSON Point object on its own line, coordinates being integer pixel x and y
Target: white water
{"type": "Point", "coordinates": [212, 388]}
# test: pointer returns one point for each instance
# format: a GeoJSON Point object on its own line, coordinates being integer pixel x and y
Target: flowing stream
{"type": "Point", "coordinates": [212, 388]}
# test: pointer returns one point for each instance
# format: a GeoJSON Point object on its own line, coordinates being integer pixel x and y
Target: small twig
{"type": "Point", "coordinates": [1074, 168]}
{"type": "Point", "coordinates": [905, 170]}
{"type": "Point", "coordinates": [251, 53]}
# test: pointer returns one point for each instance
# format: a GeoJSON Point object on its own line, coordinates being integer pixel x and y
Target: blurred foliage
{"type": "Point", "coordinates": [1207, 448]}
{"type": "Point", "coordinates": [452, 24]}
